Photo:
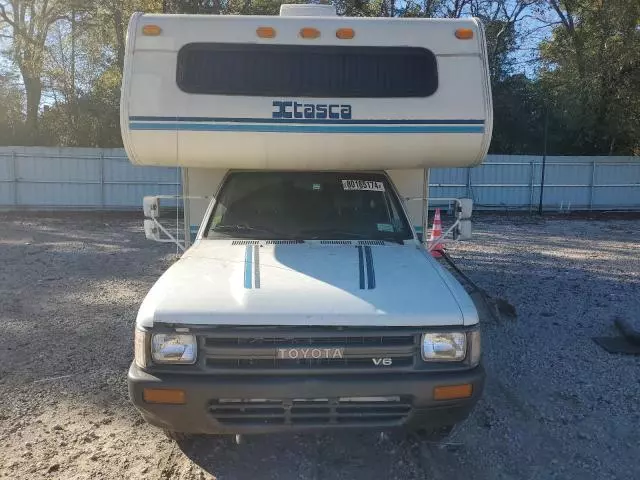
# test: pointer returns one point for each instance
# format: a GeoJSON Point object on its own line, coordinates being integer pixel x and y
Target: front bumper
{"type": "Point", "coordinates": [195, 416]}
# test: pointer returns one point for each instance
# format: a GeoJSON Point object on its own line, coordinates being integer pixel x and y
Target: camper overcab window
{"type": "Point", "coordinates": [324, 71]}
{"type": "Point", "coordinates": [306, 296]}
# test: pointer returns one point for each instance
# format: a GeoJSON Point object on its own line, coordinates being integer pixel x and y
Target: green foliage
{"type": "Point", "coordinates": [11, 108]}
{"type": "Point", "coordinates": [591, 76]}
{"type": "Point", "coordinates": [518, 116]}
{"type": "Point", "coordinates": [97, 121]}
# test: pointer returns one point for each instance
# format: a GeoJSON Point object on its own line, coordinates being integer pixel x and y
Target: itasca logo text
{"type": "Point", "coordinates": [292, 109]}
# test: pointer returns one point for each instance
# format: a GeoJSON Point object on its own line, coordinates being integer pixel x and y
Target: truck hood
{"type": "Point", "coordinates": [223, 282]}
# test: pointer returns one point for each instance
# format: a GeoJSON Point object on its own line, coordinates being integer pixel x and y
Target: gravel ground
{"type": "Point", "coordinates": [555, 404]}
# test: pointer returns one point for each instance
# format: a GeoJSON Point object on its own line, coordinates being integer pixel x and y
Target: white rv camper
{"type": "Point", "coordinates": [307, 299]}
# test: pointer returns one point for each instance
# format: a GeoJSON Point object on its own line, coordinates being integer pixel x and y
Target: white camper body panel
{"type": "Point", "coordinates": [163, 125]}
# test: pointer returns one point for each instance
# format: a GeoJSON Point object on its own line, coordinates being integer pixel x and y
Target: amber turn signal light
{"type": "Point", "coordinates": [345, 33]}
{"type": "Point", "coordinates": [151, 30]}
{"type": "Point", "coordinates": [464, 33]}
{"type": "Point", "coordinates": [309, 32]}
{"type": "Point", "coordinates": [266, 32]}
{"type": "Point", "coordinates": [452, 392]}
{"type": "Point", "coordinates": [168, 396]}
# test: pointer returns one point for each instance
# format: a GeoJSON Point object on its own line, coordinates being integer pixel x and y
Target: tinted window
{"type": "Point", "coordinates": [306, 71]}
{"type": "Point", "coordinates": [308, 205]}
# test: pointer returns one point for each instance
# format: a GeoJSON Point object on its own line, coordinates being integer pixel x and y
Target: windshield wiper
{"type": "Point", "coordinates": [391, 238]}
{"type": "Point", "coordinates": [249, 228]}
{"type": "Point", "coordinates": [237, 228]}
{"type": "Point", "coordinates": [327, 234]}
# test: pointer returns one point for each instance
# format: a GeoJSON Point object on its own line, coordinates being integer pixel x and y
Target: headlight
{"type": "Point", "coordinates": [444, 347]}
{"type": "Point", "coordinates": [173, 348]}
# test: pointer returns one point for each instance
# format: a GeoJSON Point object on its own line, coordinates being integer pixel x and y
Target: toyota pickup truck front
{"type": "Point", "coordinates": [263, 379]}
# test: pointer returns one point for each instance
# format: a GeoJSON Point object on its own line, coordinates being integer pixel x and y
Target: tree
{"type": "Point", "coordinates": [11, 118]}
{"type": "Point", "coordinates": [111, 18]}
{"type": "Point", "coordinates": [518, 116]}
{"type": "Point", "coordinates": [83, 72]}
{"type": "Point", "coordinates": [591, 75]}
{"type": "Point", "coordinates": [30, 22]}
{"type": "Point", "coordinates": [194, 6]}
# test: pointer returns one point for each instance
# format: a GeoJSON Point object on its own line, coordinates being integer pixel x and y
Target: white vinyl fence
{"type": "Point", "coordinates": [93, 178]}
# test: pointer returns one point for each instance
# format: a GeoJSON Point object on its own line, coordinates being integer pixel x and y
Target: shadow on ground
{"type": "Point", "coordinates": [356, 455]}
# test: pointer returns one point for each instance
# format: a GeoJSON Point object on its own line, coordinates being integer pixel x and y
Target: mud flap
{"type": "Point", "coordinates": [488, 307]}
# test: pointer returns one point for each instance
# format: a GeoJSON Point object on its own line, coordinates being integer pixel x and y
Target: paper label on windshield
{"type": "Point", "coordinates": [385, 227]}
{"type": "Point", "coordinates": [363, 185]}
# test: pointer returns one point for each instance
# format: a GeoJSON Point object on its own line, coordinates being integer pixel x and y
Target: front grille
{"type": "Point", "coordinates": [305, 364]}
{"type": "Point", "coordinates": [255, 350]}
{"type": "Point", "coordinates": [338, 411]}
{"type": "Point", "coordinates": [315, 341]}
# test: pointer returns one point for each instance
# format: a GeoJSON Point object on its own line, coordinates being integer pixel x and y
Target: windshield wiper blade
{"type": "Point", "coordinates": [329, 232]}
{"type": "Point", "coordinates": [318, 233]}
{"type": "Point", "coordinates": [249, 228]}
{"type": "Point", "coordinates": [236, 228]}
{"type": "Point", "coordinates": [391, 238]}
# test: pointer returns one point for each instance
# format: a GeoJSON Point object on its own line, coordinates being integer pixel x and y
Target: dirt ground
{"type": "Point", "coordinates": [555, 406]}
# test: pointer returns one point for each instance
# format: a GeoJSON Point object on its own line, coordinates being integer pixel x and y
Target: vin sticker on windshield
{"type": "Point", "coordinates": [385, 227]}
{"type": "Point", "coordinates": [363, 185]}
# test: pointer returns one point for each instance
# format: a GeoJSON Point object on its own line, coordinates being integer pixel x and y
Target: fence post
{"type": "Point", "coordinates": [592, 185]}
{"type": "Point", "coordinates": [101, 156]}
{"type": "Point", "coordinates": [532, 174]}
{"type": "Point", "coordinates": [468, 182]}
{"type": "Point", "coordinates": [14, 167]}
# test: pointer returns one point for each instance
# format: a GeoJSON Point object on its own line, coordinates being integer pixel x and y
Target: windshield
{"type": "Point", "coordinates": [306, 206]}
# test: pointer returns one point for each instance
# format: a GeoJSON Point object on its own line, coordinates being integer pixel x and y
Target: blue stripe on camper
{"type": "Point", "coordinates": [248, 259]}
{"type": "Point", "coordinates": [309, 120]}
{"type": "Point", "coordinates": [337, 128]}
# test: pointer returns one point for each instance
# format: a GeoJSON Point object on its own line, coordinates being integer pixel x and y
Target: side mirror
{"type": "Point", "coordinates": [463, 230]}
{"type": "Point", "coordinates": [151, 207]}
{"type": "Point", "coordinates": [151, 230]}
{"type": "Point", "coordinates": [465, 208]}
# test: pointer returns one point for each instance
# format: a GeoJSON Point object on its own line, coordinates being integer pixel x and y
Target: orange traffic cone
{"type": "Point", "coordinates": [436, 232]}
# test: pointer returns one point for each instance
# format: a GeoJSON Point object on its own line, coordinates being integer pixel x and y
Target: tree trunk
{"type": "Point", "coordinates": [33, 90]}
{"type": "Point", "coordinates": [120, 33]}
